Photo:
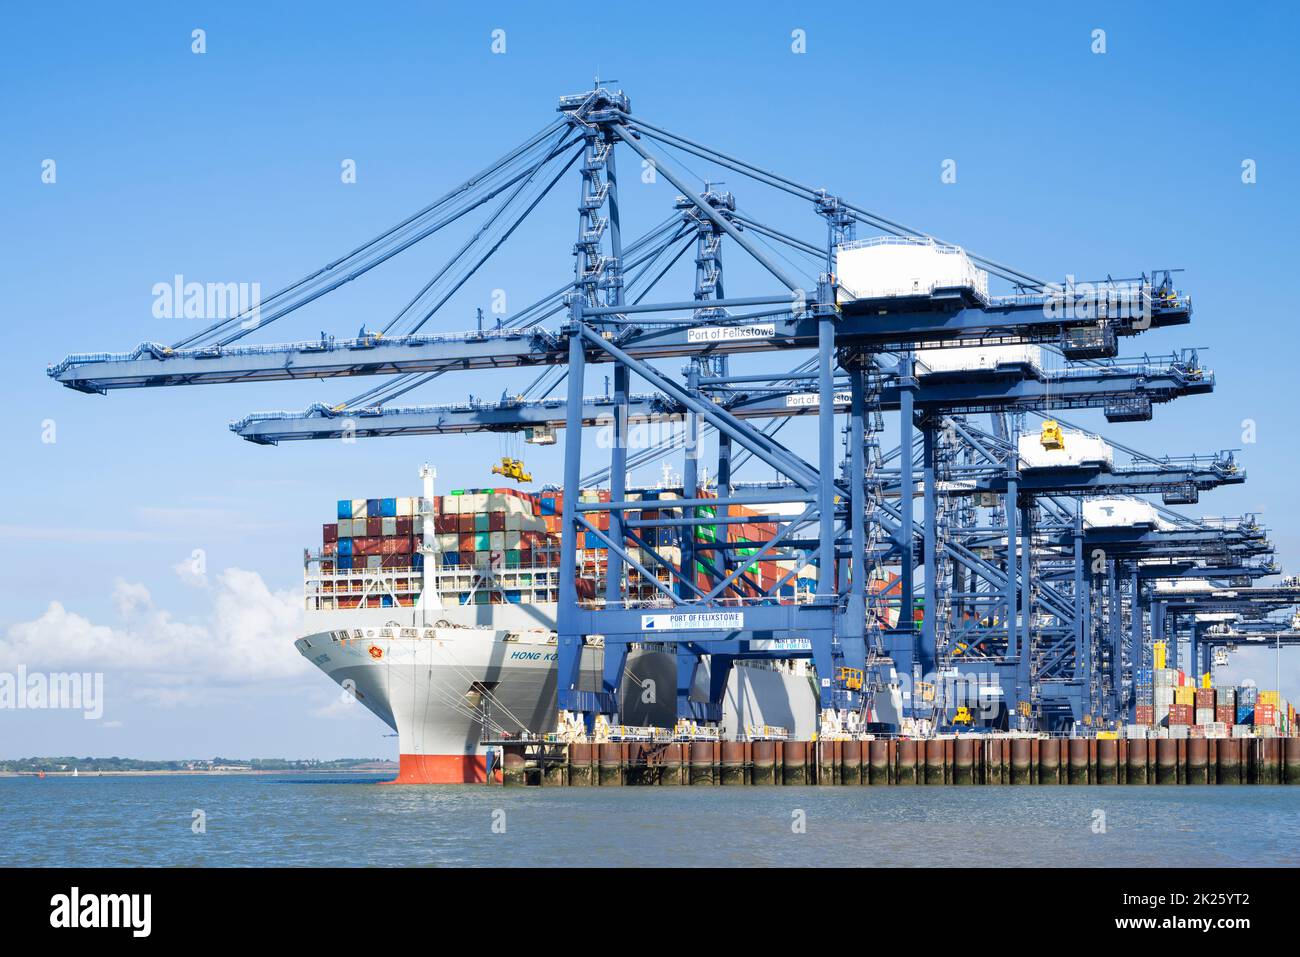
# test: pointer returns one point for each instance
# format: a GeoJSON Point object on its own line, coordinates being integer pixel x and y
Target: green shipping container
{"type": "Point", "coordinates": [482, 541]}
{"type": "Point", "coordinates": [481, 522]}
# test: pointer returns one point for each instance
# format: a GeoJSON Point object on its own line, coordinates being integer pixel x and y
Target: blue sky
{"type": "Point", "coordinates": [225, 167]}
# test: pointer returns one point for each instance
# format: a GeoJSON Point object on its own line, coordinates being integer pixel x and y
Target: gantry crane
{"type": "Point", "coordinates": [993, 539]}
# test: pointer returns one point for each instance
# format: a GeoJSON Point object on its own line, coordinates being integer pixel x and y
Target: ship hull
{"type": "Point", "coordinates": [446, 688]}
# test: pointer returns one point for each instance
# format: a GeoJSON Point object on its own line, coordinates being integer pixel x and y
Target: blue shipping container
{"type": "Point", "coordinates": [345, 562]}
{"type": "Point", "coordinates": [514, 597]}
{"type": "Point", "coordinates": [417, 560]}
{"type": "Point", "coordinates": [345, 546]}
{"type": "Point", "coordinates": [548, 506]}
{"type": "Point", "coordinates": [345, 508]}
{"type": "Point", "coordinates": [372, 508]}
{"type": "Point", "coordinates": [449, 558]}
{"type": "Point", "coordinates": [387, 508]}
{"type": "Point", "coordinates": [1245, 714]}
{"type": "Point", "coordinates": [387, 601]}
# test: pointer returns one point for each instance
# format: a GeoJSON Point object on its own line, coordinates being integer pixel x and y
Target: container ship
{"type": "Point", "coordinates": [438, 614]}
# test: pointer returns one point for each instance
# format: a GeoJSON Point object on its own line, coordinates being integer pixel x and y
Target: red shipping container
{"type": "Point", "coordinates": [1205, 697]}
{"type": "Point", "coordinates": [1180, 714]}
{"type": "Point", "coordinates": [1225, 714]}
{"type": "Point", "coordinates": [404, 527]}
{"type": "Point", "coordinates": [1145, 714]}
{"type": "Point", "coordinates": [447, 524]}
{"type": "Point", "coordinates": [464, 523]}
{"type": "Point", "coordinates": [330, 533]}
{"type": "Point", "coordinates": [496, 521]}
{"type": "Point", "coordinates": [374, 527]}
{"type": "Point", "coordinates": [1265, 714]}
{"type": "Point", "coordinates": [330, 548]}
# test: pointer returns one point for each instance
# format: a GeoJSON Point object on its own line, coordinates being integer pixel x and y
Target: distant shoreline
{"type": "Point", "coordinates": [194, 773]}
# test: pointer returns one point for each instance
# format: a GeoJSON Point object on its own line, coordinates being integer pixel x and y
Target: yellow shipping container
{"type": "Point", "coordinates": [1107, 735]}
{"type": "Point", "coordinates": [1186, 694]}
{"type": "Point", "coordinates": [1270, 697]}
{"type": "Point", "coordinates": [1158, 651]}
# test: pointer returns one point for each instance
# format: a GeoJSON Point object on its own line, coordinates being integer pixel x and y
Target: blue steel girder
{"type": "Point", "coordinates": [155, 365]}
{"type": "Point", "coordinates": [977, 392]}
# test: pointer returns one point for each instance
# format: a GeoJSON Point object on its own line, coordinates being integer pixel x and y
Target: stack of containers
{"type": "Point", "coordinates": [1269, 716]}
{"type": "Point", "coordinates": [494, 527]}
{"type": "Point", "coordinates": [1246, 696]}
{"type": "Point", "coordinates": [1225, 708]}
{"type": "Point", "coordinates": [1144, 695]}
{"type": "Point", "coordinates": [1180, 714]}
{"type": "Point", "coordinates": [1166, 683]}
{"type": "Point", "coordinates": [374, 533]}
{"type": "Point", "coordinates": [1205, 703]}
{"type": "Point", "coordinates": [760, 575]}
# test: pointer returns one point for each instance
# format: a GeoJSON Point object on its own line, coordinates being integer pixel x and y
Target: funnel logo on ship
{"type": "Point", "coordinates": [376, 652]}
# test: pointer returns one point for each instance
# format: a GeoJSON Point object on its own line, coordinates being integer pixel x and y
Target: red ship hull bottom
{"type": "Point", "coordinates": [443, 769]}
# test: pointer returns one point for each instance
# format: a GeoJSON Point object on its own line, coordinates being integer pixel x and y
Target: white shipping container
{"type": "Point", "coordinates": [405, 507]}
{"type": "Point", "coordinates": [388, 526]}
{"type": "Point", "coordinates": [886, 267]}
{"type": "Point", "coordinates": [1119, 512]}
{"type": "Point", "coordinates": [1180, 731]}
{"type": "Point", "coordinates": [359, 508]}
{"type": "Point", "coordinates": [1079, 448]}
{"type": "Point", "coordinates": [1205, 716]}
{"type": "Point", "coordinates": [977, 359]}
{"type": "Point", "coordinates": [1179, 585]}
{"type": "Point", "coordinates": [1136, 731]}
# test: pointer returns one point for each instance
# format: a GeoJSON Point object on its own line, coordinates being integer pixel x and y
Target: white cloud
{"type": "Point", "coordinates": [192, 571]}
{"type": "Point", "coordinates": [246, 638]}
{"type": "Point", "coordinates": [127, 597]}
